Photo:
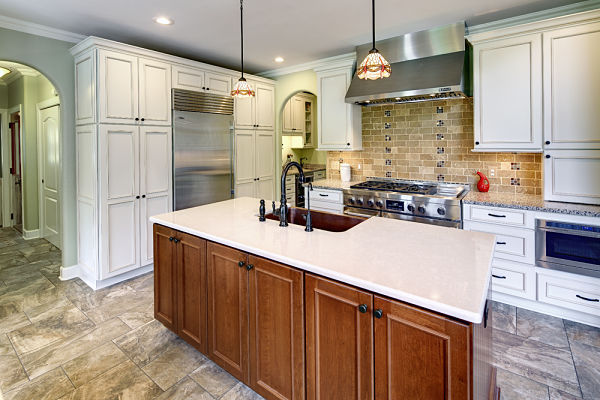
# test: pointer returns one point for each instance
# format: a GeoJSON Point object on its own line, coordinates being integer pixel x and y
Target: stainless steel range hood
{"type": "Point", "coordinates": [426, 65]}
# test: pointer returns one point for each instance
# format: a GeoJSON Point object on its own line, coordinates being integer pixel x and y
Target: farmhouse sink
{"type": "Point", "coordinates": [320, 220]}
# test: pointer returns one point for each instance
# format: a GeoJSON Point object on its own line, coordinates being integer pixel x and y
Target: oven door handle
{"type": "Point", "coordinates": [573, 232]}
{"type": "Point", "coordinates": [357, 214]}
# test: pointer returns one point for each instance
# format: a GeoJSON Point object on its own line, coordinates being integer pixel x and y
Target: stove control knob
{"type": "Point", "coordinates": [370, 203]}
{"type": "Point", "coordinates": [421, 209]}
{"type": "Point", "coordinates": [441, 211]}
{"type": "Point", "coordinates": [379, 203]}
{"type": "Point", "coordinates": [411, 207]}
{"type": "Point", "coordinates": [351, 200]}
{"type": "Point", "coordinates": [359, 202]}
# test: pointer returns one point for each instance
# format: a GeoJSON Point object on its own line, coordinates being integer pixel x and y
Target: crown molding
{"type": "Point", "coordinates": [562, 11]}
{"type": "Point", "coordinates": [324, 63]}
{"type": "Point", "coordinates": [39, 30]}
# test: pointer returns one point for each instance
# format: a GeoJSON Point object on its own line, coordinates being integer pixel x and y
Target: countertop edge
{"type": "Point", "coordinates": [554, 210]}
{"type": "Point", "coordinates": [468, 316]}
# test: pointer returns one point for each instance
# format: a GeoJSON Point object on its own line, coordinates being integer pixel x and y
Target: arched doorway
{"type": "Point", "coordinates": [30, 136]}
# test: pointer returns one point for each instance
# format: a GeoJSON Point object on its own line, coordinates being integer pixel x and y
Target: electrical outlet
{"type": "Point", "coordinates": [492, 172]}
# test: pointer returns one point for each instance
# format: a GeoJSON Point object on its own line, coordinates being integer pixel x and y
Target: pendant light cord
{"type": "Point", "coordinates": [242, 33]}
{"type": "Point", "coordinates": [373, 12]}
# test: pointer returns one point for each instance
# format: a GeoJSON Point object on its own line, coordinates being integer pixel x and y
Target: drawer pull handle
{"type": "Point", "coordinates": [500, 242]}
{"type": "Point", "coordinates": [498, 276]}
{"type": "Point", "coordinates": [587, 299]}
{"type": "Point", "coordinates": [496, 215]}
{"type": "Point", "coordinates": [323, 195]}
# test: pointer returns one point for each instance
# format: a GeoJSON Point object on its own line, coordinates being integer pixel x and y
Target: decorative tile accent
{"type": "Point", "coordinates": [439, 109]}
{"type": "Point", "coordinates": [440, 164]}
{"type": "Point", "coordinates": [439, 136]}
{"type": "Point", "coordinates": [387, 113]}
{"type": "Point", "coordinates": [388, 150]}
{"type": "Point", "coordinates": [388, 138]}
{"type": "Point", "coordinates": [515, 181]}
{"type": "Point", "coordinates": [388, 162]}
{"type": "Point", "coordinates": [515, 166]}
{"type": "Point", "coordinates": [387, 125]}
{"type": "Point", "coordinates": [388, 174]}
{"type": "Point", "coordinates": [440, 178]}
{"type": "Point", "coordinates": [440, 150]}
{"type": "Point", "coordinates": [440, 123]}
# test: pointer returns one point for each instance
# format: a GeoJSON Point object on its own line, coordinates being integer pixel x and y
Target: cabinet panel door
{"type": "Point", "coordinates": [218, 83]}
{"type": "Point", "coordinates": [420, 355]}
{"type": "Point", "coordinates": [298, 114]}
{"type": "Point", "coordinates": [149, 207]}
{"type": "Point", "coordinates": [287, 121]}
{"type": "Point", "coordinates": [244, 162]}
{"type": "Point", "coordinates": [265, 163]}
{"type": "Point", "coordinates": [276, 330]}
{"type": "Point", "coordinates": [571, 86]}
{"type": "Point", "coordinates": [155, 92]}
{"type": "Point", "coordinates": [265, 106]}
{"type": "Point", "coordinates": [187, 78]}
{"type": "Point", "coordinates": [228, 309]}
{"type": "Point", "coordinates": [339, 341]}
{"type": "Point", "coordinates": [119, 187]}
{"type": "Point", "coordinates": [508, 94]}
{"type": "Point", "coordinates": [191, 285]}
{"type": "Point", "coordinates": [244, 110]}
{"type": "Point", "coordinates": [165, 279]}
{"type": "Point", "coordinates": [118, 87]}
{"type": "Point", "coordinates": [85, 88]}
{"type": "Point", "coordinates": [572, 175]}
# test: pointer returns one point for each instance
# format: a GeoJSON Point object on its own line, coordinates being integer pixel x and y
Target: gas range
{"type": "Point", "coordinates": [436, 203]}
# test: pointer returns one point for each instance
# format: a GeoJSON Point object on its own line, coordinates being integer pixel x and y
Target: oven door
{"type": "Point", "coordinates": [360, 212]}
{"type": "Point", "coordinates": [568, 247]}
{"type": "Point", "coordinates": [423, 220]}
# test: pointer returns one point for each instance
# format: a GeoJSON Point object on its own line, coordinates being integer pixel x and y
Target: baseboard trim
{"type": "Point", "coordinates": [67, 273]}
{"type": "Point", "coordinates": [548, 309]}
{"type": "Point", "coordinates": [76, 271]}
{"type": "Point", "coordinates": [32, 234]}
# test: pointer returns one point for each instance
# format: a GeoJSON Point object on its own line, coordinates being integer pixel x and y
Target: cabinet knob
{"type": "Point", "coordinates": [249, 267]}
{"type": "Point", "coordinates": [476, 143]}
{"type": "Point", "coordinates": [547, 142]}
{"type": "Point", "coordinates": [378, 313]}
{"type": "Point", "coordinates": [547, 155]}
{"type": "Point", "coordinates": [176, 240]}
{"type": "Point", "coordinates": [143, 119]}
{"type": "Point", "coordinates": [171, 239]}
{"type": "Point", "coordinates": [137, 197]}
{"type": "Point", "coordinates": [363, 308]}
{"type": "Point", "coordinates": [143, 196]}
{"type": "Point", "coordinates": [347, 144]}
{"type": "Point", "coordinates": [241, 264]}
{"type": "Point", "coordinates": [137, 119]}
{"type": "Point", "coordinates": [203, 87]}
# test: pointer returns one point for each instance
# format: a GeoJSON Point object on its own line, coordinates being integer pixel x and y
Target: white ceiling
{"type": "Point", "coordinates": [298, 30]}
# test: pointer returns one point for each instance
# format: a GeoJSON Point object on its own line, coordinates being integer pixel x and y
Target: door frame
{"type": "Point", "coordinates": [54, 101]}
{"type": "Point", "coordinates": [3, 158]}
{"type": "Point", "coordinates": [7, 206]}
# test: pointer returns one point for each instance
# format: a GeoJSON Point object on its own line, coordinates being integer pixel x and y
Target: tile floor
{"type": "Point", "coordinates": [62, 340]}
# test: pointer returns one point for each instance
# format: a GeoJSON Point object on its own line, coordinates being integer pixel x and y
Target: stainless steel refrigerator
{"type": "Point", "coordinates": [202, 148]}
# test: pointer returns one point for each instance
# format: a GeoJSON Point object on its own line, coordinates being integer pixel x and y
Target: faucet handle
{"type": "Point", "coordinates": [274, 207]}
{"type": "Point", "coordinates": [261, 211]}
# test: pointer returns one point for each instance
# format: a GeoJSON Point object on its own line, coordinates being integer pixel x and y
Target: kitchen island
{"type": "Point", "coordinates": [387, 309]}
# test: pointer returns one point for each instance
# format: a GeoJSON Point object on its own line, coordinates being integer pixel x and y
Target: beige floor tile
{"type": "Point", "coordinates": [49, 386]}
{"type": "Point", "coordinates": [93, 363]}
{"type": "Point", "coordinates": [133, 301]}
{"type": "Point", "coordinates": [543, 328]}
{"type": "Point", "coordinates": [186, 389]}
{"type": "Point", "coordinates": [136, 318]}
{"type": "Point", "coordinates": [144, 344]}
{"type": "Point", "coordinates": [516, 387]}
{"type": "Point", "coordinates": [14, 322]}
{"type": "Point", "coordinates": [214, 379]}
{"type": "Point", "coordinates": [581, 333]}
{"type": "Point", "coordinates": [12, 373]}
{"type": "Point", "coordinates": [556, 394]}
{"type": "Point", "coordinates": [587, 363]}
{"type": "Point", "coordinates": [241, 392]}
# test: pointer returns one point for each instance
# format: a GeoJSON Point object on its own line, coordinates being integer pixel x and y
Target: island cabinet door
{"type": "Point", "coordinates": [339, 341]}
{"type": "Point", "coordinates": [419, 355]}
{"type": "Point", "coordinates": [165, 281]}
{"type": "Point", "coordinates": [228, 309]}
{"type": "Point", "coordinates": [276, 330]}
{"type": "Point", "coordinates": [191, 290]}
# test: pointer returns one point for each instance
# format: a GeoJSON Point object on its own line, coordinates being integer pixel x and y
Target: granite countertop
{"type": "Point", "coordinates": [390, 257]}
{"type": "Point", "coordinates": [334, 184]}
{"type": "Point", "coordinates": [530, 202]}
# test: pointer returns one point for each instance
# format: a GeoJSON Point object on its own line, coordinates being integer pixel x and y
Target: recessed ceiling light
{"type": "Point", "coordinates": [4, 71]}
{"type": "Point", "coordinates": [279, 59]}
{"type": "Point", "coordinates": [163, 20]}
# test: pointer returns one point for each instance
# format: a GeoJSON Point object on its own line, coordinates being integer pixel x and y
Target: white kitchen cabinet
{"type": "Point", "coordinates": [571, 87]}
{"type": "Point", "coordinates": [85, 88]}
{"type": "Point", "coordinates": [298, 122]}
{"type": "Point", "coordinates": [257, 111]}
{"type": "Point", "coordinates": [293, 120]}
{"type": "Point", "coordinates": [187, 78]}
{"type": "Point", "coordinates": [508, 93]}
{"type": "Point", "coordinates": [572, 176]}
{"type": "Point", "coordinates": [133, 89]}
{"type": "Point", "coordinates": [327, 200]}
{"type": "Point", "coordinates": [339, 122]}
{"type": "Point", "coordinates": [255, 163]}
{"type": "Point", "coordinates": [218, 83]}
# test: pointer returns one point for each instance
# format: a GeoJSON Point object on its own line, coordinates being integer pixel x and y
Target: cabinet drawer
{"type": "Point", "coordinates": [290, 179]}
{"type": "Point", "coordinates": [569, 291]}
{"type": "Point", "coordinates": [497, 215]}
{"type": "Point", "coordinates": [513, 278]}
{"type": "Point", "coordinates": [333, 196]}
{"type": "Point", "coordinates": [326, 206]}
{"type": "Point", "coordinates": [515, 244]}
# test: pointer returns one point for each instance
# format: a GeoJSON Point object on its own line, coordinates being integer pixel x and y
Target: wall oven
{"type": "Point", "coordinates": [568, 247]}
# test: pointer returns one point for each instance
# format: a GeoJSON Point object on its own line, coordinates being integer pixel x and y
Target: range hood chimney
{"type": "Point", "coordinates": [426, 65]}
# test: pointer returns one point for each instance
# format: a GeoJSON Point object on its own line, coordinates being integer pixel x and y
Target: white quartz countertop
{"type": "Point", "coordinates": [441, 269]}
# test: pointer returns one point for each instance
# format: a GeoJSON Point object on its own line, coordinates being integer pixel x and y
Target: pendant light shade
{"type": "Point", "coordinates": [374, 66]}
{"type": "Point", "coordinates": [242, 88]}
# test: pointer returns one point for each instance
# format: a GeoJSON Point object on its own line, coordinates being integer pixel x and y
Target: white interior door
{"type": "Point", "coordinates": [49, 137]}
{"type": "Point", "coordinates": [155, 183]}
{"type": "Point", "coordinates": [155, 92]}
{"type": "Point", "coordinates": [119, 170]}
{"type": "Point", "coordinates": [265, 164]}
{"type": "Point", "coordinates": [245, 177]}
{"type": "Point", "coordinates": [118, 89]}
{"type": "Point", "coordinates": [265, 106]}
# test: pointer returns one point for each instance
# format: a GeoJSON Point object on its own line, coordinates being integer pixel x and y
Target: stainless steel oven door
{"type": "Point", "coordinates": [568, 247]}
{"type": "Point", "coordinates": [423, 220]}
{"type": "Point", "coordinates": [361, 212]}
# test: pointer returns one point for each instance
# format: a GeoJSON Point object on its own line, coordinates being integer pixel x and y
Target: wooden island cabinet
{"type": "Point", "coordinates": [288, 334]}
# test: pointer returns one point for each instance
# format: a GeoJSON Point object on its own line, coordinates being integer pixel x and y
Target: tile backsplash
{"type": "Point", "coordinates": [433, 141]}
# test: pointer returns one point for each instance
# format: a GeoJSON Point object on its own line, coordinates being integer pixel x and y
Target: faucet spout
{"type": "Point", "coordinates": [283, 207]}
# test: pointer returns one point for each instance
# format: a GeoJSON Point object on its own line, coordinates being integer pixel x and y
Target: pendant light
{"type": "Point", "coordinates": [242, 88]}
{"type": "Point", "coordinates": [374, 66]}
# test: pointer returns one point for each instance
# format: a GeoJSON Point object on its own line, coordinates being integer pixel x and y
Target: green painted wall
{"type": "Point", "coordinates": [52, 58]}
{"type": "Point", "coordinates": [3, 96]}
{"type": "Point", "coordinates": [16, 93]}
{"type": "Point", "coordinates": [285, 87]}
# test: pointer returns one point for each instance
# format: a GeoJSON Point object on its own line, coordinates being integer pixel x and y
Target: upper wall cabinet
{"type": "Point", "coordinates": [508, 94]}
{"type": "Point", "coordinates": [339, 122]}
{"type": "Point", "coordinates": [133, 89]}
{"type": "Point", "coordinates": [257, 111]}
{"type": "Point", "coordinates": [201, 81]}
{"type": "Point", "coordinates": [571, 87]}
